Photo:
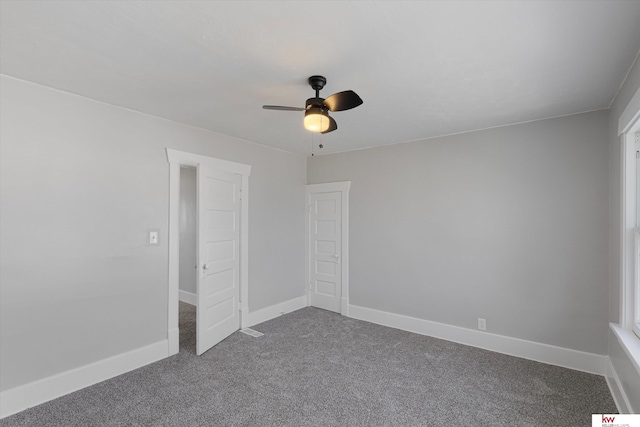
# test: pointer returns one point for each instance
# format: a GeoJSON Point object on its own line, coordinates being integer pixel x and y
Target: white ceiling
{"type": "Point", "coordinates": [423, 69]}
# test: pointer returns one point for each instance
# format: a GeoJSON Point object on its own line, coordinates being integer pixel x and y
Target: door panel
{"type": "Point", "coordinates": [218, 256]}
{"type": "Point", "coordinates": [325, 241]}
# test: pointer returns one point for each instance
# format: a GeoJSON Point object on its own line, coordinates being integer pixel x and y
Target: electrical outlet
{"type": "Point", "coordinates": [482, 324]}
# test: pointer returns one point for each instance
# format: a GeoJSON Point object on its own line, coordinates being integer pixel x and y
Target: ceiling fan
{"type": "Point", "coordinates": [316, 111]}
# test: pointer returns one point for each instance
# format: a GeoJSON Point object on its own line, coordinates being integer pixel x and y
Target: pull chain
{"type": "Point", "coordinates": [313, 142]}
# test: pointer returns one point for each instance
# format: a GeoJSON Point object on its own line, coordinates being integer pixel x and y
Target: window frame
{"type": "Point", "coordinates": [629, 279]}
{"type": "Point", "coordinates": [632, 137]}
{"type": "Point", "coordinates": [630, 229]}
{"type": "Point", "coordinates": [635, 320]}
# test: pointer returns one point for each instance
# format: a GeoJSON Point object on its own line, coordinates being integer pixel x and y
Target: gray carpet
{"type": "Point", "coordinates": [317, 368]}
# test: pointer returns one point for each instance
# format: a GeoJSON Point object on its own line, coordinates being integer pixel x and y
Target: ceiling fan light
{"type": "Point", "coordinates": [316, 120]}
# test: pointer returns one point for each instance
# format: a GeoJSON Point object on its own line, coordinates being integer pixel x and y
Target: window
{"type": "Point", "coordinates": [627, 330]}
{"type": "Point", "coordinates": [630, 290]}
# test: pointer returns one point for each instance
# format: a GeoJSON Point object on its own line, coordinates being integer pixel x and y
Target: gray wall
{"type": "Point", "coordinates": [81, 183]}
{"type": "Point", "coordinates": [508, 224]}
{"type": "Point", "coordinates": [188, 229]}
{"type": "Point", "coordinates": [619, 358]}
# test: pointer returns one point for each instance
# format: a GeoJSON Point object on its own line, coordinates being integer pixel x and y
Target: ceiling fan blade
{"type": "Point", "coordinates": [332, 125]}
{"type": "Point", "coordinates": [281, 108]}
{"type": "Point", "coordinates": [343, 101]}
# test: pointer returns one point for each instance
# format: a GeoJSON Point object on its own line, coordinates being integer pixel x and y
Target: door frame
{"type": "Point", "coordinates": [177, 159]}
{"type": "Point", "coordinates": [330, 187]}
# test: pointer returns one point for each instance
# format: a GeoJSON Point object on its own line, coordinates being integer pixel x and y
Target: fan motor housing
{"type": "Point", "coordinates": [315, 102]}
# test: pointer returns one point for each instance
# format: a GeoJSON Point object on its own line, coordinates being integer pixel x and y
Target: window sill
{"type": "Point", "coordinates": [629, 342]}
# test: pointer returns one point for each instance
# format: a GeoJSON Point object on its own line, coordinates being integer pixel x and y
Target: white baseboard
{"type": "Point", "coordinates": [344, 306]}
{"type": "Point", "coordinates": [617, 391]}
{"type": "Point", "coordinates": [271, 312]}
{"type": "Point", "coordinates": [188, 297]}
{"type": "Point", "coordinates": [552, 355]}
{"type": "Point", "coordinates": [26, 396]}
{"type": "Point", "coordinates": [173, 343]}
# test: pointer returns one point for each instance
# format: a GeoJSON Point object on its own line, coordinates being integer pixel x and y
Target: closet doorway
{"type": "Point", "coordinates": [221, 251]}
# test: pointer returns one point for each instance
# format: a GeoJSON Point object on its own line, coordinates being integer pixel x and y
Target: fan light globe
{"type": "Point", "coordinates": [316, 121]}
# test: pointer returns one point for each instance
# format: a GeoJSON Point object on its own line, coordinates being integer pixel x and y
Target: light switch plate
{"type": "Point", "coordinates": [154, 237]}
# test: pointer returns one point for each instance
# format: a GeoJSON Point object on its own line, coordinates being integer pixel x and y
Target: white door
{"type": "Point", "coordinates": [218, 256]}
{"type": "Point", "coordinates": [325, 243]}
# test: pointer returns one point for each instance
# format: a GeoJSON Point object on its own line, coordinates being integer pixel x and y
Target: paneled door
{"type": "Point", "coordinates": [325, 250]}
{"type": "Point", "coordinates": [218, 256]}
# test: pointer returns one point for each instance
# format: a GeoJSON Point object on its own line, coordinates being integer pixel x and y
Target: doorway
{"type": "Point", "coordinates": [327, 242]}
{"type": "Point", "coordinates": [221, 190]}
{"type": "Point", "coordinates": [188, 259]}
